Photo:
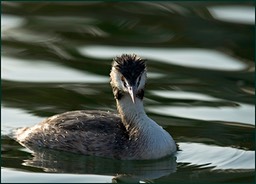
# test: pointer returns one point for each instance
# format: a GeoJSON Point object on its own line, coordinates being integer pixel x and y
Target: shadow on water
{"type": "Point", "coordinates": [56, 57]}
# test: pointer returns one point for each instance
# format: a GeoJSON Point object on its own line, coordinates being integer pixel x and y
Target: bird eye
{"type": "Point", "coordinates": [123, 80]}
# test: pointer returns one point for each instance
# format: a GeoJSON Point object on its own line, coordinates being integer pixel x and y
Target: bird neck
{"type": "Point", "coordinates": [144, 133]}
{"type": "Point", "coordinates": [134, 117]}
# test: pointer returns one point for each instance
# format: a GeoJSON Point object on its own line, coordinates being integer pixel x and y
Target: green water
{"type": "Point", "coordinates": [56, 57]}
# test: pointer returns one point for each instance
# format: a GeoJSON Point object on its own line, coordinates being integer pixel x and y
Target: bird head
{"type": "Point", "coordinates": [128, 75]}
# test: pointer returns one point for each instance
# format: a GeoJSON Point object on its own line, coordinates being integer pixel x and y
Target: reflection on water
{"type": "Point", "coordinates": [10, 21]}
{"type": "Point", "coordinates": [198, 58]}
{"type": "Point", "coordinates": [242, 114]}
{"type": "Point", "coordinates": [56, 57]}
{"type": "Point", "coordinates": [236, 14]}
{"type": "Point", "coordinates": [14, 176]}
{"type": "Point", "coordinates": [62, 162]}
{"type": "Point", "coordinates": [241, 159]}
{"type": "Point", "coordinates": [45, 71]}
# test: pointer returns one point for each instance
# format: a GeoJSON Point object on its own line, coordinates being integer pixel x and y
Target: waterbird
{"type": "Point", "coordinates": [128, 134]}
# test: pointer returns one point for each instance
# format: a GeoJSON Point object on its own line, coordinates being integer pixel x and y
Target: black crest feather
{"type": "Point", "coordinates": [130, 65]}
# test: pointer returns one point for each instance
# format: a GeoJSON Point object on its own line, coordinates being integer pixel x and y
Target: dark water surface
{"type": "Point", "coordinates": [56, 57]}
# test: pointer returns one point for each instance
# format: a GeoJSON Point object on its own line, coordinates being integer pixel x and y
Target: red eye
{"type": "Point", "coordinates": [122, 78]}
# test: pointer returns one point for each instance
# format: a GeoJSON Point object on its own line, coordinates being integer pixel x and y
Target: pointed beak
{"type": "Point", "coordinates": [132, 92]}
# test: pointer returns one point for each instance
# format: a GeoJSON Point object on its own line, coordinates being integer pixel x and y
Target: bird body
{"type": "Point", "coordinates": [129, 134]}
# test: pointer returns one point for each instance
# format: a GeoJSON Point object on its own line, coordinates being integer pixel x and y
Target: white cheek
{"type": "Point", "coordinates": [115, 76]}
{"type": "Point", "coordinates": [142, 81]}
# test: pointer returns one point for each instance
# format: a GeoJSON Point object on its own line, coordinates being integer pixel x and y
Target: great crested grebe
{"type": "Point", "coordinates": [128, 135]}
